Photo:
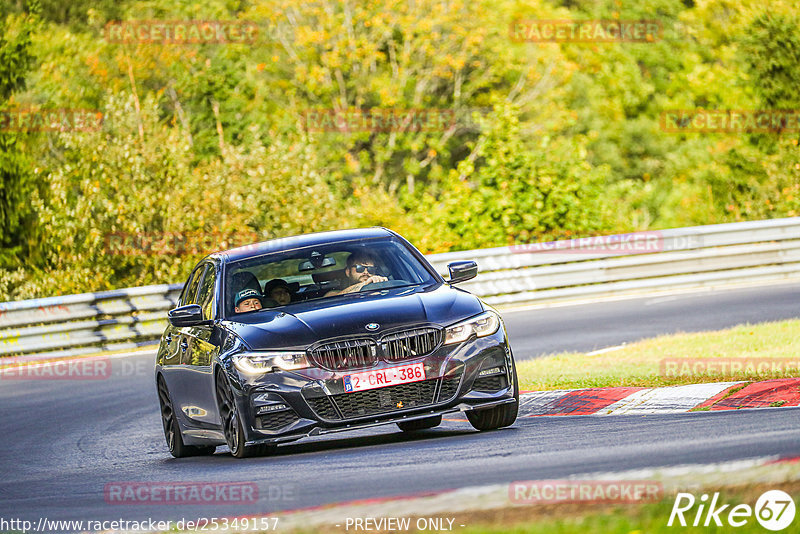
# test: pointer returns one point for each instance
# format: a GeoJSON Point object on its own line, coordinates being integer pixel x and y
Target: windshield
{"type": "Point", "coordinates": [320, 272]}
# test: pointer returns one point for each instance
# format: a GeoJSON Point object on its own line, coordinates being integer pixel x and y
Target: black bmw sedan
{"type": "Point", "coordinates": [323, 333]}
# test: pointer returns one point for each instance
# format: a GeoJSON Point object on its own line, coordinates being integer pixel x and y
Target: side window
{"type": "Point", "coordinates": [205, 298]}
{"type": "Point", "coordinates": [190, 293]}
{"type": "Point", "coordinates": [185, 290]}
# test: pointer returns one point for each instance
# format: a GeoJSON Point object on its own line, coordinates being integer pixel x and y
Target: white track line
{"type": "Point", "coordinates": [607, 349]}
{"type": "Point", "coordinates": [675, 399]}
{"type": "Point", "coordinates": [687, 477]}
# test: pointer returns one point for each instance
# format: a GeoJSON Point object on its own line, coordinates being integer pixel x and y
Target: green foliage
{"type": "Point", "coordinates": [110, 193]}
{"type": "Point", "coordinates": [16, 59]}
{"type": "Point", "coordinates": [209, 140]}
{"type": "Point", "coordinates": [765, 170]}
{"type": "Point", "coordinates": [74, 13]}
{"type": "Point", "coordinates": [522, 190]}
{"type": "Point", "coordinates": [771, 50]}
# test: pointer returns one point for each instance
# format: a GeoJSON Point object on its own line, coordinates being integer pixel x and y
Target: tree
{"type": "Point", "coordinates": [16, 60]}
{"type": "Point", "coordinates": [770, 51]}
{"type": "Point", "coordinates": [518, 191]}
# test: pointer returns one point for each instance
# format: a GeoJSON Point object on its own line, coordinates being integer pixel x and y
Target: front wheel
{"type": "Point", "coordinates": [499, 416]}
{"type": "Point", "coordinates": [172, 431]}
{"type": "Point", "coordinates": [232, 423]}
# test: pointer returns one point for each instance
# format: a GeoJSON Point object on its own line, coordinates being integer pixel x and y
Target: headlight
{"type": "Point", "coordinates": [265, 362]}
{"type": "Point", "coordinates": [481, 325]}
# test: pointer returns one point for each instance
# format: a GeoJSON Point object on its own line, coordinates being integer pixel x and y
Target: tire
{"type": "Point", "coordinates": [499, 416]}
{"type": "Point", "coordinates": [232, 423]}
{"type": "Point", "coordinates": [172, 430]}
{"type": "Point", "coordinates": [420, 424]}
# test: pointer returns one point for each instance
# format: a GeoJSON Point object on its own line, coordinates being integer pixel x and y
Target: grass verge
{"type": "Point", "coordinates": [640, 363]}
{"type": "Point", "coordinates": [590, 518]}
{"type": "Point", "coordinates": [619, 519]}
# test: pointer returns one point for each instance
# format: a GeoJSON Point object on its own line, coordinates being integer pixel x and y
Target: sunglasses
{"type": "Point", "coordinates": [361, 268]}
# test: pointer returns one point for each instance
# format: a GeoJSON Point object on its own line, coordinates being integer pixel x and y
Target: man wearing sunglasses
{"type": "Point", "coordinates": [360, 270]}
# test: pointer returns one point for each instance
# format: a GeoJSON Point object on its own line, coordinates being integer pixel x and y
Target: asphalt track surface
{"type": "Point", "coordinates": [599, 325]}
{"type": "Point", "coordinates": [64, 441]}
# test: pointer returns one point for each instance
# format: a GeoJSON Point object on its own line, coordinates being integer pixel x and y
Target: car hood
{"type": "Point", "coordinates": [301, 324]}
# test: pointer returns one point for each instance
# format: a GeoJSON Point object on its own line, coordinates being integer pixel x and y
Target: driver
{"type": "Point", "coordinates": [361, 270]}
{"type": "Point", "coordinates": [247, 300]}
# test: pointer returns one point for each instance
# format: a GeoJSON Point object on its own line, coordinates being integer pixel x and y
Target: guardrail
{"type": "Point", "coordinates": [671, 259]}
{"type": "Point", "coordinates": [537, 273]}
{"type": "Point", "coordinates": [90, 322]}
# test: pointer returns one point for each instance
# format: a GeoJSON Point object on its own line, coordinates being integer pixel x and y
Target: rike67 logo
{"type": "Point", "coordinates": [774, 510]}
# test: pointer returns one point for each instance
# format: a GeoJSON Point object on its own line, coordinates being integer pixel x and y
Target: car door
{"type": "Point", "coordinates": [177, 345]}
{"type": "Point", "coordinates": [200, 352]}
{"type": "Point", "coordinates": [174, 339]}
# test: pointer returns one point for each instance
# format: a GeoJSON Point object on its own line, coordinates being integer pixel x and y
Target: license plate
{"type": "Point", "coordinates": [389, 376]}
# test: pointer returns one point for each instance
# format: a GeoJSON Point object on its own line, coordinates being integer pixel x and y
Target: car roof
{"type": "Point", "coordinates": [299, 241]}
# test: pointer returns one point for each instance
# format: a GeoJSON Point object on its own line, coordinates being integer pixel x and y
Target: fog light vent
{"type": "Point", "coordinates": [490, 372]}
{"type": "Point", "coordinates": [271, 408]}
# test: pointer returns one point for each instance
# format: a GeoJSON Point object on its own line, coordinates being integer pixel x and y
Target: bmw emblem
{"type": "Point", "coordinates": [372, 326]}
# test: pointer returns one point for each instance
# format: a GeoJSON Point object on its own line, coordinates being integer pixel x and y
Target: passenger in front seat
{"type": "Point", "coordinates": [247, 300]}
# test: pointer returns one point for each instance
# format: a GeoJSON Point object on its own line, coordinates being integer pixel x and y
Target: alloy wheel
{"type": "Point", "coordinates": [229, 416]}
{"type": "Point", "coordinates": [167, 415]}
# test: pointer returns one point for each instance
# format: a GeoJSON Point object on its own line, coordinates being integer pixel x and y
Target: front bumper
{"type": "Point", "coordinates": [286, 406]}
{"type": "Point", "coordinates": [318, 430]}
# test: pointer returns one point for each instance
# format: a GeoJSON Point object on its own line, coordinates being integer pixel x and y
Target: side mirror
{"type": "Point", "coordinates": [189, 315]}
{"type": "Point", "coordinates": [461, 271]}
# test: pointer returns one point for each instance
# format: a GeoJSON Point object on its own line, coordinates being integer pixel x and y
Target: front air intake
{"type": "Point", "coordinates": [410, 344]}
{"type": "Point", "coordinates": [345, 355]}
